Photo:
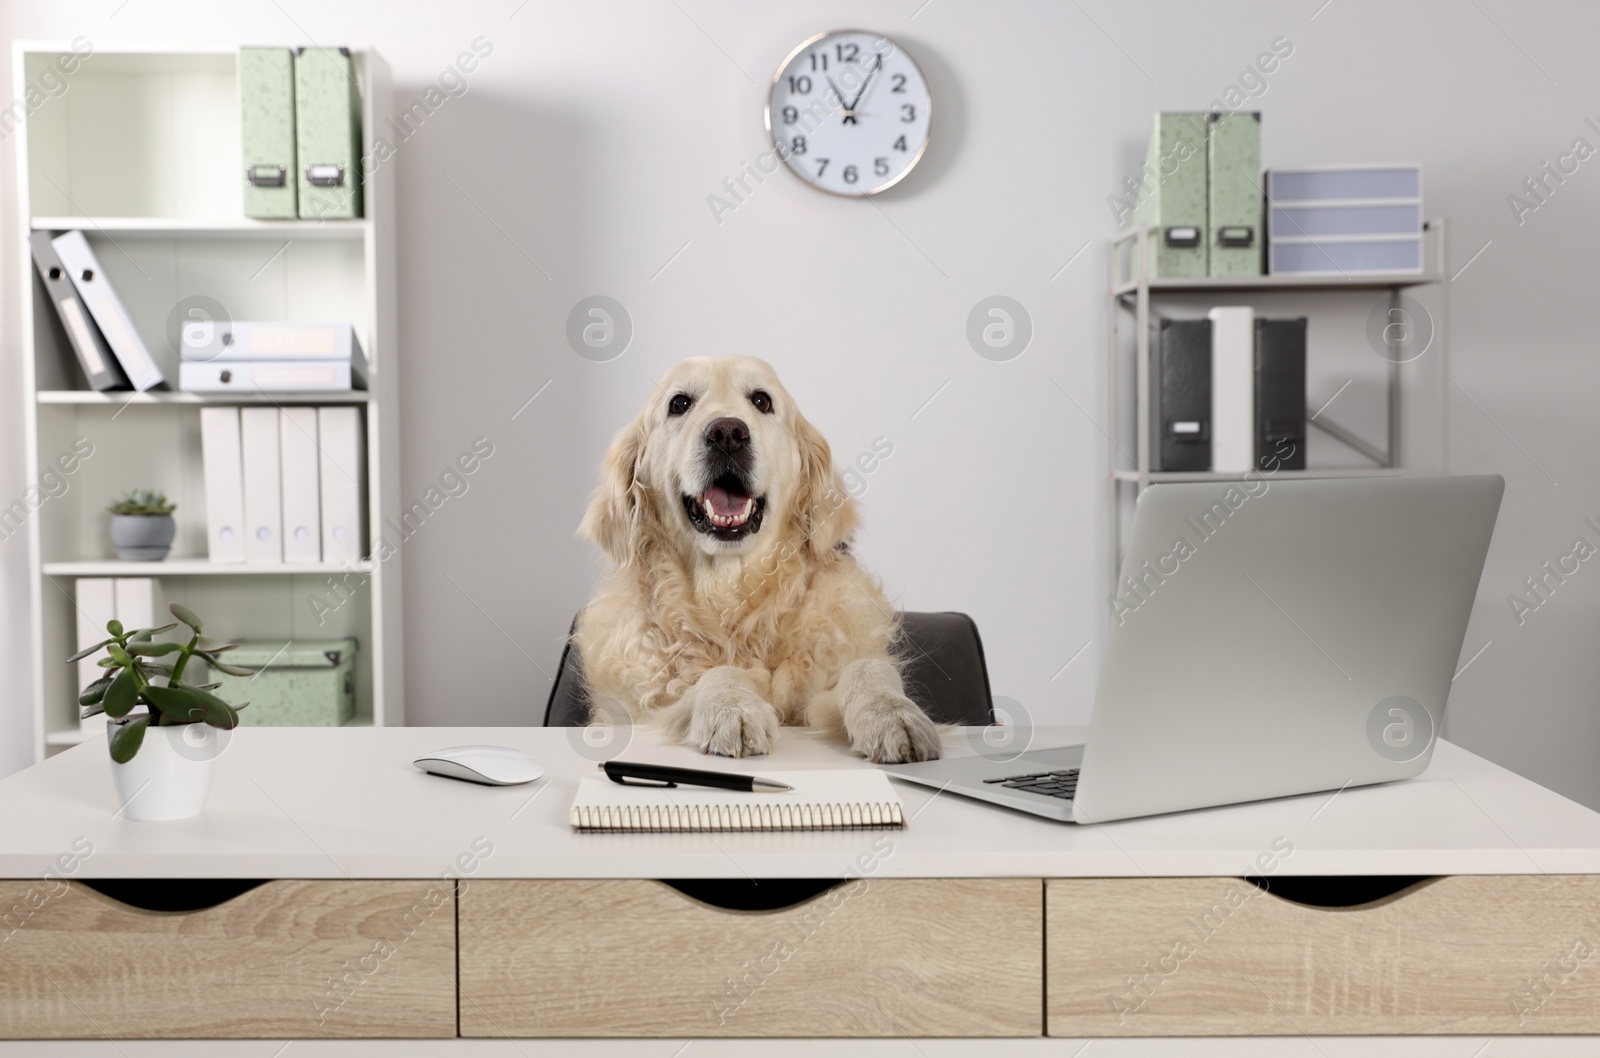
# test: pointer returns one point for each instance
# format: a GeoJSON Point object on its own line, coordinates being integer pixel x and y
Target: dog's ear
{"type": "Point", "coordinates": [612, 520]}
{"type": "Point", "coordinates": [824, 511]}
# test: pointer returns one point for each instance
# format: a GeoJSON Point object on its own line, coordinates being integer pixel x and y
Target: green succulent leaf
{"type": "Point", "coordinates": [220, 713]}
{"type": "Point", "coordinates": [163, 628]}
{"type": "Point", "coordinates": [213, 645]}
{"type": "Point", "coordinates": [89, 710]}
{"type": "Point", "coordinates": [95, 691]}
{"type": "Point", "coordinates": [107, 663]}
{"type": "Point", "coordinates": [229, 670]}
{"type": "Point", "coordinates": [143, 502]}
{"type": "Point", "coordinates": [153, 650]}
{"type": "Point", "coordinates": [184, 614]}
{"type": "Point", "coordinates": [86, 651]}
{"type": "Point", "coordinates": [214, 710]}
{"type": "Point", "coordinates": [114, 626]}
{"type": "Point", "coordinates": [119, 655]}
{"type": "Point", "coordinates": [148, 667]}
{"type": "Point", "coordinates": [121, 695]}
{"type": "Point", "coordinates": [210, 687]}
{"type": "Point", "coordinates": [127, 738]}
{"type": "Point", "coordinates": [182, 705]}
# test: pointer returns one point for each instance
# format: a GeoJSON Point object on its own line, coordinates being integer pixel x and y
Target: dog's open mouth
{"type": "Point", "coordinates": [726, 509]}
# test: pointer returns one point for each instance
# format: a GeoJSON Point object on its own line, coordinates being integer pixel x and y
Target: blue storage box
{"type": "Point", "coordinates": [1311, 257]}
{"type": "Point", "coordinates": [1344, 182]}
{"type": "Point", "coordinates": [1353, 218]}
{"type": "Point", "coordinates": [1345, 220]}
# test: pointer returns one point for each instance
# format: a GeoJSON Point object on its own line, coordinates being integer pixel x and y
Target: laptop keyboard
{"type": "Point", "coordinates": [1062, 784]}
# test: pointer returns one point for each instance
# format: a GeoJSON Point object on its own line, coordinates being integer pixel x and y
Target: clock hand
{"type": "Point", "coordinates": [837, 94]}
{"type": "Point", "coordinates": [865, 84]}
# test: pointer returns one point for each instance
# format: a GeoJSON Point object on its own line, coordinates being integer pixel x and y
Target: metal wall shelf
{"type": "Point", "coordinates": [1131, 292]}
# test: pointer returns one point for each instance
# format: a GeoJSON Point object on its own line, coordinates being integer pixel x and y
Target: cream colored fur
{"type": "Point", "coordinates": [721, 642]}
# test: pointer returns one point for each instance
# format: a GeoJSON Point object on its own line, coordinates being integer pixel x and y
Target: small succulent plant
{"type": "Point", "coordinates": [144, 501]}
{"type": "Point", "coordinates": [132, 669]}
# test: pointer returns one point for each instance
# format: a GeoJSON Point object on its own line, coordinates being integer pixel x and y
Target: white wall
{"type": "Point", "coordinates": [580, 160]}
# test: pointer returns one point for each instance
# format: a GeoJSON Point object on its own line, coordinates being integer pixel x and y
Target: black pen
{"type": "Point", "coordinates": [662, 775]}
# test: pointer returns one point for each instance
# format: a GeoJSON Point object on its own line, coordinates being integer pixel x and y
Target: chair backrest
{"type": "Point", "coordinates": [943, 667]}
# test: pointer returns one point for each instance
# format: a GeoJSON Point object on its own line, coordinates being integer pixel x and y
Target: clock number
{"type": "Point", "coordinates": [800, 85]}
{"type": "Point", "coordinates": [799, 145]}
{"type": "Point", "coordinates": [899, 80]}
{"type": "Point", "coordinates": [900, 144]}
{"type": "Point", "coordinates": [908, 112]}
{"type": "Point", "coordinates": [819, 66]}
{"type": "Point", "coordinates": [790, 115]}
{"type": "Point", "coordinates": [822, 163]}
{"type": "Point", "coordinates": [850, 175]}
{"type": "Point", "coordinates": [847, 52]}
{"type": "Point", "coordinates": [880, 167]}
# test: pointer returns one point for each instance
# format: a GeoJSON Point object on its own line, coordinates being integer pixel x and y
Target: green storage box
{"type": "Point", "coordinates": [301, 683]}
{"type": "Point", "coordinates": [266, 132]}
{"type": "Point", "coordinates": [327, 124]}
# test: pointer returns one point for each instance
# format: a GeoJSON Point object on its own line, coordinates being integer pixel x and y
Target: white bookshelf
{"type": "Point", "coordinates": [142, 154]}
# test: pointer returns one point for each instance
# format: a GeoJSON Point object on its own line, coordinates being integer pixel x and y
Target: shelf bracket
{"type": "Point", "coordinates": [1350, 438]}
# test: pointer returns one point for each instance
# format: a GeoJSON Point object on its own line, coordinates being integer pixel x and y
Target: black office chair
{"type": "Point", "coordinates": [944, 673]}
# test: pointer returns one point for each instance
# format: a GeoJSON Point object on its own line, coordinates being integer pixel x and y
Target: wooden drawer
{"type": "Point", "coordinates": [870, 957]}
{"type": "Point", "coordinates": [1215, 956]}
{"type": "Point", "coordinates": [304, 959]}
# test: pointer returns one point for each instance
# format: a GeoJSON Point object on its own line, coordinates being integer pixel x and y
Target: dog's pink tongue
{"type": "Point", "coordinates": [725, 504]}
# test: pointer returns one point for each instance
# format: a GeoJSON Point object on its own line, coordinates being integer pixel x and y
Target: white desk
{"type": "Point", "coordinates": [347, 803]}
{"type": "Point", "coordinates": [955, 926]}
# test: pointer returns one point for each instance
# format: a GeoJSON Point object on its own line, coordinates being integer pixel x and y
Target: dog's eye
{"type": "Point", "coordinates": [762, 401]}
{"type": "Point", "coordinates": [680, 403]}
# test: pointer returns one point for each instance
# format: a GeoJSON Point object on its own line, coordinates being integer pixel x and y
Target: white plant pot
{"type": "Point", "coordinates": [170, 776]}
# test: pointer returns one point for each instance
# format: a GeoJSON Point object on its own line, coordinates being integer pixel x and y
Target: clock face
{"type": "Point", "coordinates": [849, 112]}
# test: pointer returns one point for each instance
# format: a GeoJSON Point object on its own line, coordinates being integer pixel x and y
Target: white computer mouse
{"type": "Point", "coordinates": [490, 765]}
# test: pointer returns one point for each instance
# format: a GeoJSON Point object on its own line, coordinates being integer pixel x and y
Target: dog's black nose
{"type": "Point", "coordinates": [728, 434]}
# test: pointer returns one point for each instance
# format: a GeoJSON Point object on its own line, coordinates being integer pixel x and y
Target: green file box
{"type": "Point", "coordinates": [328, 134]}
{"type": "Point", "coordinates": [1234, 229]}
{"type": "Point", "coordinates": [1174, 206]}
{"type": "Point", "coordinates": [304, 683]}
{"type": "Point", "coordinates": [266, 132]}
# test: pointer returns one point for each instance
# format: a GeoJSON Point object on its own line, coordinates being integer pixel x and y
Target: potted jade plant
{"type": "Point", "coordinates": [161, 758]}
{"type": "Point", "coordinates": [141, 526]}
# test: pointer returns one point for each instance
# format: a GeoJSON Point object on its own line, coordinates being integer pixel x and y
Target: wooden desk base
{"type": "Point", "coordinates": [1482, 954]}
{"type": "Point", "coordinates": [1497, 954]}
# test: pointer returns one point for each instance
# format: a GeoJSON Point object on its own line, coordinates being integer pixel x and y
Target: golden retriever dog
{"type": "Point", "coordinates": [734, 604]}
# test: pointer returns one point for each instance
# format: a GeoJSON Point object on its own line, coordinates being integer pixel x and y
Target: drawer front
{"type": "Point", "coordinates": [1214, 956]}
{"type": "Point", "coordinates": [871, 957]}
{"type": "Point", "coordinates": [306, 959]}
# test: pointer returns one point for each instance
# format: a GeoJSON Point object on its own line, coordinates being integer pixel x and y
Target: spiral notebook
{"type": "Point", "coordinates": [853, 799]}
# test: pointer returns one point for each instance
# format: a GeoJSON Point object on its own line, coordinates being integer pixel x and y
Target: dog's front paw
{"type": "Point", "coordinates": [733, 725]}
{"type": "Point", "coordinates": [892, 730]}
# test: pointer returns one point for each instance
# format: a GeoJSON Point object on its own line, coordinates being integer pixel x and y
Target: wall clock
{"type": "Point", "coordinates": [848, 112]}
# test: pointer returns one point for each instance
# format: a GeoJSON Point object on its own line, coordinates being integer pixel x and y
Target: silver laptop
{"type": "Point", "coordinates": [1268, 638]}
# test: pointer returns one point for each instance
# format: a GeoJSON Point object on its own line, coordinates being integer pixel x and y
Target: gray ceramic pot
{"type": "Point", "coordinates": [142, 537]}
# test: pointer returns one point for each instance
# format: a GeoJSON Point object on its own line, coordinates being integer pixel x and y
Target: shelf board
{"type": "Point", "coordinates": [124, 397]}
{"type": "Point", "coordinates": [206, 227]}
{"type": "Point", "coordinates": [1269, 283]}
{"type": "Point", "coordinates": [196, 567]}
{"type": "Point", "coordinates": [69, 737]}
{"type": "Point", "coordinates": [72, 736]}
{"type": "Point", "coordinates": [1159, 477]}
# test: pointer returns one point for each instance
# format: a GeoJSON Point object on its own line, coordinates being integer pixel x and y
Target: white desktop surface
{"type": "Point", "coordinates": [348, 803]}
